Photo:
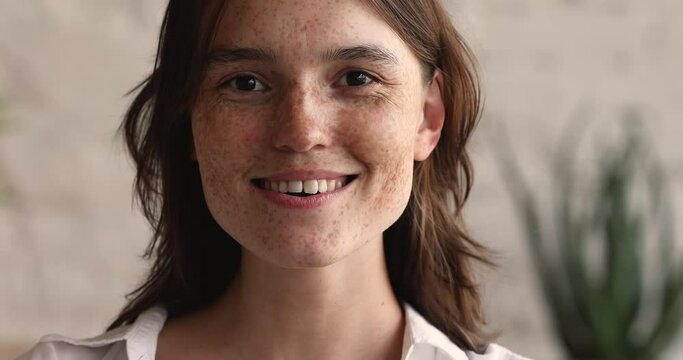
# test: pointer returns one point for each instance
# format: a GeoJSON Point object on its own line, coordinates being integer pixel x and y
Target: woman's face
{"type": "Point", "coordinates": [310, 96]}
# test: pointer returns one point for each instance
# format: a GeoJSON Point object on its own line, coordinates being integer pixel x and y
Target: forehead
{"type": "Point", "coordinates": [300, 27]}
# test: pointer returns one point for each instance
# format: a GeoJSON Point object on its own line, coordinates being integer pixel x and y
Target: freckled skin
{"type": "Point", "coordinates": [305, 120]}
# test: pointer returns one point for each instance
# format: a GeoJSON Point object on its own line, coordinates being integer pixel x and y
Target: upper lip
{"type": "Point", "coordinates": [305, 175]}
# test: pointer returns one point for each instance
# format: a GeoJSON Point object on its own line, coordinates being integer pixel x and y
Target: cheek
{"type": "Point", "coordinates": [224, 141]}
{"type": "Point", "coordinates": [383, 135]}
{"type": "Point", "coordinates": [226, 135]}
{"type": "Point", "coordinates": [383, 140]}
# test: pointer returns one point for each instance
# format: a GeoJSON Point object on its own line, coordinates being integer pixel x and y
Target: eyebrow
{"type": "Point", "coordinates": [372, 53]}
{"type": "Point", "coordinates": [229, 55]}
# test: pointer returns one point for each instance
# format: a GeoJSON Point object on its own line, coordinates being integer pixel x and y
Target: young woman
{"type": "Point", "coordinates": [303, 165]}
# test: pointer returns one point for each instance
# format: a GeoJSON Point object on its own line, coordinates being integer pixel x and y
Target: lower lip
{"type": "Point", "coordinates": [302, 203]}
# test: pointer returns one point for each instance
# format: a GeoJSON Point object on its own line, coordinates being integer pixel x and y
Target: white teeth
{"type": "Point", "coordinates": [295, 186]}
{"type": "Point", "coordinates": [311, 186]}
{"type": "Point", "coordinates": [306, 186]}
{"type": "Point", "coordinates": [322, 186]}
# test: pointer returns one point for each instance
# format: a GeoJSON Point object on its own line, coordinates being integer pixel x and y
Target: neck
{"type": "Point", "coordinates": [345, 310]}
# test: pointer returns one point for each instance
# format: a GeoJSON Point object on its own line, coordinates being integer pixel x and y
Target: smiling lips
{"type": "Point", "coordinates": [304, 187]}
{"type": "Point", "coordinates": [304, 183]}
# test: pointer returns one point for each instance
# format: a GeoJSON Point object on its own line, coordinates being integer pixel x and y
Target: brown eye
{"type": "Point", "coordinates": [246, 83]}
{"type": "Point", "coordinates": [357, 78]}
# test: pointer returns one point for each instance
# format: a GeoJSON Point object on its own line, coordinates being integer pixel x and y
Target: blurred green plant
{"type": "Point", "coordinates": [598, 314]}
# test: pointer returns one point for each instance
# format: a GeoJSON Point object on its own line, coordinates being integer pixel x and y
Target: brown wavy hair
{"type": "Point", "coordinates": [428, 252]}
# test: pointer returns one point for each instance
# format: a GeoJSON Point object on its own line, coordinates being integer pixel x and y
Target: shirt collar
{"type": "Point", "coordinates": [140, 337]}
{"type": "Point", "coordinates": [141, 340]}
{"type": "Point", "coordinates": [421, 340]}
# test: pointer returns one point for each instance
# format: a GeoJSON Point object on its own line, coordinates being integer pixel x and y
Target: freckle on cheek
{"type": "Point", "coordinates": [333, 239]}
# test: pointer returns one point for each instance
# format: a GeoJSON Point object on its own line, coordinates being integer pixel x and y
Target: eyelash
{"type": "Point", "coordinates": [371, 78]}
{"type": "Point", "coordinates": [262, 87]}
{"type": "Point", "coordinates": [228, 83]}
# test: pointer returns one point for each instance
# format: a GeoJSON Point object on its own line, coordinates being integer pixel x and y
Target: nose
{"type": "Point", "coordinates": [300, 124]}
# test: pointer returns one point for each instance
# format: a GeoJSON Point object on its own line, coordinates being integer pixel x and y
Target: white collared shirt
{"type": "Point", "coordinates": [138, 341]}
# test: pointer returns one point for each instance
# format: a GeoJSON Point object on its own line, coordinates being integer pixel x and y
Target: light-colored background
{"type": "Point", "coordinates": [70, 241]}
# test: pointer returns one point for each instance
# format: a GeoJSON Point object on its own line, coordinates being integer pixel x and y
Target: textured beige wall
{"type": "Point", "coordinates": [70, 243]}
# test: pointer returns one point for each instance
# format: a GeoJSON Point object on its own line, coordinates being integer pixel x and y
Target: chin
{"type": "Point", "coordinates": [308, 262]}
{"type": "Point", "coordinates": [302, 251]}
{"type": "Point", "coordinates": [301, 258]}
